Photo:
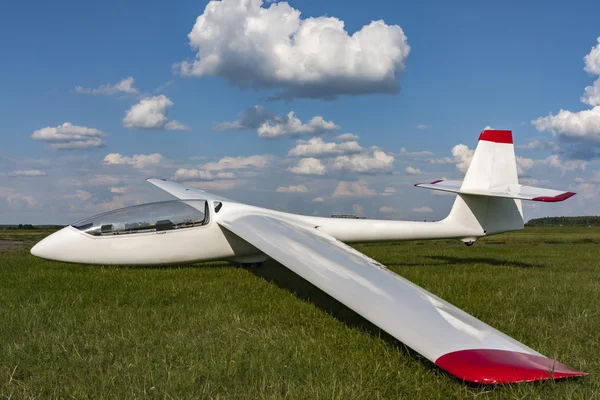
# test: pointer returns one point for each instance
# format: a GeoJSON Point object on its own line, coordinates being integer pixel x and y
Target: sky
{"type": "Point", "coordinates": [312, 107]}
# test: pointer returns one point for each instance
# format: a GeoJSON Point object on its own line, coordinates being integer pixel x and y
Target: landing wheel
{"type": "Point", "coordinates": [469, 243]}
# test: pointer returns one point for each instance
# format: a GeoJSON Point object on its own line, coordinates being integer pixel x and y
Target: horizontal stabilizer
{"type": "Point", "coordinates": [512, 191]}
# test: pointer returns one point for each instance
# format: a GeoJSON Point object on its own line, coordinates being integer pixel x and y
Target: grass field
{"type": "Point", "coordinates": [217, 331]}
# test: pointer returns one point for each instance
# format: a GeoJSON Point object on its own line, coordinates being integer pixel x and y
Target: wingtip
{"type": "Point", "coordinates": [553, 199]}
{"type": "Point", "coordinates": [491, 367]}
{"type": "Point", "coordinates": [497, 136]}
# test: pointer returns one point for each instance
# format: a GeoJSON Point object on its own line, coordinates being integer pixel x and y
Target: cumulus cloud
{"type": "Point", "coordinates": [184, 174]}
{"type": "Point", "coordinates": [377, 161]}
{"type": "Point", "coordinates": [272, 47]}
{"type": "Point", "coordinates": [579, 130]}
{"type": "Point", "coordinates": [137, 161]}
{"type": "Point", "coordinates": [272, 126]}
{"type": "Point", "coordinates": [256, 161]}
{"type": "Point", "coordinates": [540, 144]}
{"type": "Point", "coordinates": [19, 201]}
{"type": "Point", "coordinates": [405, 153]}
{"type": "Point", "coordinates": [318, 200]}
{"type": "Point", "coordinates": [358, 209]}
{"type": "Point", "coordinates": [389, 190]}
{"type": "Point", "coordinates": [572, 125]}
{"type": "Point", "coordinates": [423, 209]}
{"type": "Point", "coordinates": [250, 118]}
{"type": "Point", "coordinates": [28, 173]}
{"type": "Point", "coordinates": [70, 137]}
{"type": "Point", "coordinates": [554, 161]}
{"type": "Point", "coordinates": [591, 94]}
{"type": "Point", "coordinates": [292, 189]}
{"type": "Point", "coordinates": [119, 190]}
{"type": "Point", "coordinates": [462, 156]}
{"type": "Point", "coordinates": [421, 127]}
{"type": "Point", "coordinates": [83, 195]}
{"type": "Point", "coordinates": [124, 86]}
{"type": "Point", "coordinates": [221, 169]}
{"type": "Point", "coordinates": [387, 209]}
{"type": "Point", "coordinates": [347, 137]}
{"type": "Point", "coordinates": [308, 166]}
{"type": "Point", "coordinates": [353, 189]}
{"type": "Point", "coordinates": [318, 148]}
{"type": "Point", "coordinates": [151, 113]}
{"type": "Point", "coordinates": [413, 171]}
{"type": "Point", "coordinates": [290, 125]}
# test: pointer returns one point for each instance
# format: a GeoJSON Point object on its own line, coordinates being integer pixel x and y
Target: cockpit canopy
{"type": "Point", "coordinates": [146, 218]}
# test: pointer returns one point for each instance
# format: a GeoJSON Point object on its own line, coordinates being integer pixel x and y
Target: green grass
{"type": "Point", "coordinates": [216, 331]}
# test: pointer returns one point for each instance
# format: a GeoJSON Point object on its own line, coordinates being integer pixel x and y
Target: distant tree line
{"type": "Point", "coordinates": [565, 221]}
{"type": "Point", "coordinates": [30, 226]}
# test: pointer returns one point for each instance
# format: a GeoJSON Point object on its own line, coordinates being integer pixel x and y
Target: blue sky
{"type": "Point", "coordinates": [460, 66]}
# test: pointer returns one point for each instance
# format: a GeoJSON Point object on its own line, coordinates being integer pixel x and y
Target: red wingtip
{"type": "Point", "coordinates": [490, 367]}
{"type": "Point", "coordinates": [496, 136]}
{"type": "Point", "coordinates": [560, 197]}
{"type": "Point", "coordinates": [438, 181]}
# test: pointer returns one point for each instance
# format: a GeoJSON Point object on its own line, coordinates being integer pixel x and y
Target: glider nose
{"type": "Point", "coordinates": [57, 246]}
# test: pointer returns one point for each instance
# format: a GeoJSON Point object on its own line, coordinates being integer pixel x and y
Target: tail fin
{"type": "Point", "coordinates": [489, 198]}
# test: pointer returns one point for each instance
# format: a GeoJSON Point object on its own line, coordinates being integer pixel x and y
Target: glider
{"type": "Point", "coordinates": [201, 227]}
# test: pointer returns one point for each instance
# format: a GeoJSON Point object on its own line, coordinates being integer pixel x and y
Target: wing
{"type": "Point", "coordinates": [184, 192]}
{"type": "Point", "coordinates": [513, 191]}
{"type": "Point", "coordinates": [454, 340]}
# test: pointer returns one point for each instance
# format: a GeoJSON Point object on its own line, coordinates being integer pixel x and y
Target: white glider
{"type": "Point", "coordinates": [203, 227]}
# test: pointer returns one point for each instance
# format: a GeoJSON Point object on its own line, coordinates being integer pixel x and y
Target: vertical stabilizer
{"type": "Point", "coordinates": [494, 164]}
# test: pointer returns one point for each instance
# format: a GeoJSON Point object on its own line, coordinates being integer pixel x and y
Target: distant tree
{"type": "Point", "coordinates": [565, 221]}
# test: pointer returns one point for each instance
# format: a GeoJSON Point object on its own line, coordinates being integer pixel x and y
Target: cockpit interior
{"type": "Point", "coordinates": [156, 217]}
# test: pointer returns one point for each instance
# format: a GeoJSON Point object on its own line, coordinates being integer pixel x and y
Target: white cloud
{"type": "Point", "coordinates": [554, 161]}
{"type": "Point", "coordinates": [404, 152]}
{"type": "Point", "coordinates": [353, 189]}
{"type": "Point", "coordinates": [462, 157]}
{"type": "Point", "coordinates": [591, 94]}
{"type": "Point", "coordinates": [221, 169]}
{"type": "Point", "coordinates": [308, 166]}
{"type": "Point", "coordinates": [83, 195]}
{"type": "Point", "coordinates": [387, 209]}
{"type": "Point", "coordinates": [250, 118]}
{"type": "Point", "coordinates": [19, 201]}
{"type": "Point", "coordinates": [291, 125]}
{"type": "Point", "coordinates": [27, 173]}
{"type": "Point", "coordinates": [358, 209]}
{"type": "Point", "coordinates": [70, 137]}
{"type": "Point", "coordinates": [378, 161]}
{"type": "Point", "coordinates": [389, 189]}
{"type": "Point", "coordinates": [582, 126]}
{"type": "Point", "coordinates": [318, 200]}
{"type": "Point", "coordinates": [573, 125]}
{"type": "Point", "coordinates": [273, 47]}
{"type": "Point", "coordinates": [347, 137]}
{"type": "Point", "coordinates": [421, 127]}
{"type": "Point", "coordinates": [318, 148]}
{"type": "Point", "coordinates": [413, 171]}
{"type": "Point", "coordinates": [256, 161]}
{"type": "Point", "coordinates": [119, 190]}
{"type": "Point", "coordinates": [124, 86]}
{"type": "Point", "coordinates": [587, 190]}
{"type": "Point", "coordinates": [184, 174]}
{"type": "Point", "coordinates": [151, 113]}
{"type": "Point", "coordinates": [540, 144]}
{"type": "Point", "coordinates": [592, 60]}
{"type": "Point", "coordinates": [423, 209]}
{"type": "Point", "coordinates": [292, 189]}
{"type": "Point", "coordinates": [137, 161]}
